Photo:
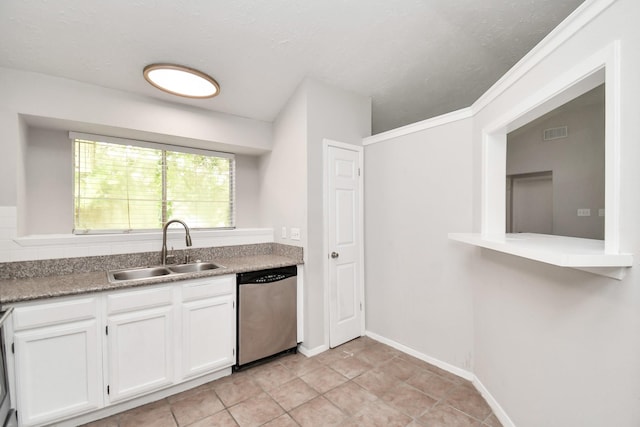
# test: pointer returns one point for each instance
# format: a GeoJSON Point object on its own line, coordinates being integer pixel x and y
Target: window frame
{"type": "Point", "coordinates": [73, 136]}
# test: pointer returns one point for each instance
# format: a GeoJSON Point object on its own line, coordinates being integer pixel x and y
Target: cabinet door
{"type": "Point", "coordinates": [208, 335]}
{"type": "Point", "coordinates": [140, 352]}
{"type": "Point", "coordinates": [58, 371]}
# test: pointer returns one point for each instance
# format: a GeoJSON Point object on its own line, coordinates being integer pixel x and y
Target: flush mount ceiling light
{"type": "Point", "coordinates": [181, 81]}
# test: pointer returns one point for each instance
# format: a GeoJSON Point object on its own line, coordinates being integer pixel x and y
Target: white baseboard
{"type": "Point", "coordinates": [436, 362]}
{"type": "Point", "coordinates": [310, 352]}
{"type": "Point", "coordinates": [491, 401]}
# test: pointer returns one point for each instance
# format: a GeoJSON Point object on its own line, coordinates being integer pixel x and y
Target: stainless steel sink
{"type": "Point", "coordinates": [138, 273]}
{"type": "Point", "coordinates": [143, 273]}
{"type": "Point", "coordinates": [193, 267]}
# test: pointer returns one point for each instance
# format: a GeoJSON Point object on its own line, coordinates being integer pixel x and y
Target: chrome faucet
{"type": "Point", "coordinates": [164, 238]}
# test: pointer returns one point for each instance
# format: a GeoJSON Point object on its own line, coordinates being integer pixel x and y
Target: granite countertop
{"type": "Point", "coordinates": [34, 288]}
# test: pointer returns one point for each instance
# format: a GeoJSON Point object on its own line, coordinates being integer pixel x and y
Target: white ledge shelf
{"type": "Point", "coordinates": [583, 254]}
{"type": "Point", "coordinates": [236, 236]}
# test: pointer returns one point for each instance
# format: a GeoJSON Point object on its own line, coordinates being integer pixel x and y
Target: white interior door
{"type": "Point", "coordinates": [344, 243]}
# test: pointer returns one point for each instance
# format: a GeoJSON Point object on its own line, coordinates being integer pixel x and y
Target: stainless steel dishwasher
{"type": "Point", "coordinates": [267, 314]}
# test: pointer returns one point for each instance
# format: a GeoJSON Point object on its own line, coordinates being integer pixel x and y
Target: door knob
{"type": "Point", "coordinates": [335, 254]}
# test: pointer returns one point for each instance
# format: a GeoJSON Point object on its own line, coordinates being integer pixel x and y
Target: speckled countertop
{"type": "Point", "coordinates": [27, 284]}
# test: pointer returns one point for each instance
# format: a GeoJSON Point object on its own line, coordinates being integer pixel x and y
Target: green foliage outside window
{"type": "Point", "coordinates": [124, 187]}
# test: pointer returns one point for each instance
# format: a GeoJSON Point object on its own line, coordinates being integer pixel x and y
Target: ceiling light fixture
{"type": "Point", "coordinates": [181, 81]}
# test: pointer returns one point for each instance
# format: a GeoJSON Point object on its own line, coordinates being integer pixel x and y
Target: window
{"type": "Point", "coordinates": [556, 203]}
{"type": "Point", "coordinates": [602, 257]}
{"type": "Point", "coordinates": [123, 185]}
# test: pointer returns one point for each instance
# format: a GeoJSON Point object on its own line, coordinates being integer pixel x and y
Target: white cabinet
{"type": "Point", "coordinates": [139, 341]}
{"type": "Point", "coordinates": [208, 325]}
{"type": "Point", "coordinates": [76, 355]}
{"type": "Point", "coordinates": [58, 360]}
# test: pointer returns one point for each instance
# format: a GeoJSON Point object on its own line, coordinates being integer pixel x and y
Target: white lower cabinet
{"type": "Point", "coordinates": [208, 326]}
{"type": "Point", "coordinates": [77, 355]}
{"type": "Point", "coordinates": [58, 362]}
{"type": "Point", "coordinates": [140, 342]}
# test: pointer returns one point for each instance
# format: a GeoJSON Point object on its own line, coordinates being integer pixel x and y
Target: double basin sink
{"type": "Point", "coordinates": [142, 273]}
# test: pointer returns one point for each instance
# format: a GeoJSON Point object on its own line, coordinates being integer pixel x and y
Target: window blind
{"type": "Point", "coordinates": [123, 185]}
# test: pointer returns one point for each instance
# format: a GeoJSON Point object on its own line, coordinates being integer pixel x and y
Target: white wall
{"type": "Point", "coordinates": [247, 191]}
{"type": "Point", "coordinates": [88, 108]}
{"type": "Point", "coordinates": [418, 188]}
{"type": "Point", "coordinates": [49, 182]}
{"type": "Point", "coordinates": [9, 135]}
{"type": "Point", "coordinates": [552, 346]}
{"type": "Point", "coordinates": [21, 174]}
{"type": "Point", "coordinates": [283, 171]}
{"type": "Point", "coordinates": [340, 116]}
{"type": "Point", "coordinates": [559, 347]}
{"type": "Point", "coordinates": [36, 100]}
{"type": "Point", "coordinates": [291, 177]}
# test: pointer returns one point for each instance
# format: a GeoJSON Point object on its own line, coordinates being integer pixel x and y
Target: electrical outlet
{"type": "Point", "coordinates": [584, 212]}
{"type": "Point", "coordinates": [295, 233]}
{"type": "Point", "coordinates": [284, 232]}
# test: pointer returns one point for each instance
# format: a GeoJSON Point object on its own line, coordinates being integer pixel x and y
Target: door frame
{"type": "Point", "coordinates": [509, 189]}
{"type": "Point", "coordinates": [326, 143]}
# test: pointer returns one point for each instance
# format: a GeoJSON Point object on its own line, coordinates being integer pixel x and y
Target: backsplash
{"type": "Point", "coordinates": [14, 248]}
{"type": "Point", "coordinates": [63, 266]}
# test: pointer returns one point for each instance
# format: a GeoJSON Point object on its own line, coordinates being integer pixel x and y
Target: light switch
{"type": "Point", "coordinates": [295, 233]}
{"type": "Point", "coordinates": [584, 212]}
{"type": "Point", "coordinates": [600, 212]}
{"type": "Point", "coordinates": [284, 232]}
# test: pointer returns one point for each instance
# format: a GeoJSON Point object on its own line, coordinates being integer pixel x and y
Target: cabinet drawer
{"type": "Point", "coordinates": [210, 287]}
{"type": "Point", "coordinates": [54, 313]}
{"type": "Point", "coordinates": [139, 299]}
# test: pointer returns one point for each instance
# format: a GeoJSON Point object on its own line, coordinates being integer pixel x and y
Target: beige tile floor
{"type": "Point", "coordinates": [360, 383]}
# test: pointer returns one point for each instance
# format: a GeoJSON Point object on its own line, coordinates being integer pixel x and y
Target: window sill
{"type": "Point", "coordinates": [154, 236]}
{"type": "Point", "coordinates": [583, 254]}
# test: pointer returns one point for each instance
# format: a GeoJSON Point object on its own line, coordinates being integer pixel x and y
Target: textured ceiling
{"type": "Point", "coordinates": [415, 58]}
